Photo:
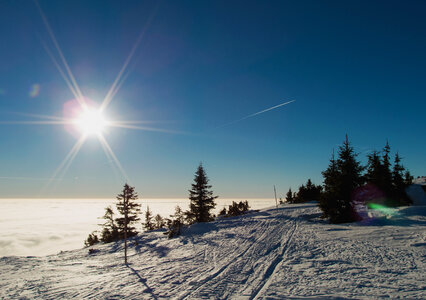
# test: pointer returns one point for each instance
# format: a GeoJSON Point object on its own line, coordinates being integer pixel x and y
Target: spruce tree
{"type": "Point", "coordinates": [159, 221]}
{"type": "Point", "coordinates": [349, 179]}
{"type": "Point", "coordinates": [109, 228]}
{"type": "Point", "coordinates": [178, 215]}
{"type": "Point", "coordinates": [91, 239]}
{"type": "Point", "coordinates": [300, 193]}
{"type": "Point", "coordinates": [148, 225]}
{"type": "Point", "coordinates": [308, 192]}
{"type": "Point", "coordinates": [386, 184]}
{"type": "Point", "coordinates": [374, 169]}
{"type": "Point", "coordinates": [341, 178]}
{"type": "Point", "coordinates": [398, 182]}
{"type": "Point", "coordinates": [289, 196]}
{"type": "Point", "coordinates": [408, 179]}
{"type": "Point", "coordinates": [130, 210]}
{"type": "Point", "coordinates": [174, 225]}
{"type": "Point", "coordinates": [201, 198]}
{"type": "Point", "coordinates": [329, 198]}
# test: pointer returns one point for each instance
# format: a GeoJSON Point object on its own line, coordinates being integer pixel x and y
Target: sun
{"type": "Point", "coordinates": [91, 122]}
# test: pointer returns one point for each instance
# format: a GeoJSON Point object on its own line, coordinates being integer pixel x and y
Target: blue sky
{"type": "Point", "coordinates": [355, 67]}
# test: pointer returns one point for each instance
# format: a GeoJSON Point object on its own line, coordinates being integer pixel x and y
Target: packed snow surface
{"type": "Point", "coordinates": [270, 254]}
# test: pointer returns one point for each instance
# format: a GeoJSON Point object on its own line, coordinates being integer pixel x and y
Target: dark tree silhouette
{"type": "Point", "coordinates": [374, 174]}
{"type": "Point", "coordinates": [408, 179]}
{"type": "Point", "coordinates": [201, 197]}
{"type": "Point", "coordinates": [308, 192]}
{"type": "Point", "coordinates": [398, 183]}
{"type": "Point", "coordinates": [329, 198]}
{"type": "Point", "coordinates": [91, 240]}
{"type": "Point", "coordinates": [130, 210]}
{"type": "Point", "coordinates": [289, 196]}
{"type": "Point", "coordinates": [110, 231]}
{"type": "Point", "coordinates": [223, 212]}
{"type": "Point", "coordinates": [237, 209]}
{"type": "Point", "coordinates": [386, 184]}
{"type": "Point", "coordinates": [341, 178]}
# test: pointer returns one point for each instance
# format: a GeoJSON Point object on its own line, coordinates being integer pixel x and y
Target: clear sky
{"type": "Point", "coordinates": [355, 67]}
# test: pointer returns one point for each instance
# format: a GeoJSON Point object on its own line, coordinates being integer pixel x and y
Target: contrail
{"type": "Point", "coordinates": [258, 113]}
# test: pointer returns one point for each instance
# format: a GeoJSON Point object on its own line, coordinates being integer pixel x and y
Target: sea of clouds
{"type": "Point", "coordinates": [34, 227]}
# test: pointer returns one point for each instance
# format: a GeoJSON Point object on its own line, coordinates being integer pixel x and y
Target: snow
{"type": "Point", "coordinates": [269, 254]}
{"type": "Point", "coordinates": [48, 226]}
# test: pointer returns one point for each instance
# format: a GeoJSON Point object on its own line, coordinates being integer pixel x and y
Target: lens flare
{"type": "Point", "coordinates": [369, 204]}
{"type": "Point", "coordinates": [91, 122]}
{"type": "Point", "coordinates": [34, 91]}
{"type": "Point", "coordinates": [382, 209]}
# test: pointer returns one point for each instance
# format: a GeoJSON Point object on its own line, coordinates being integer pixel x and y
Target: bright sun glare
{"type": "Point", "coordinates": [91, 122]}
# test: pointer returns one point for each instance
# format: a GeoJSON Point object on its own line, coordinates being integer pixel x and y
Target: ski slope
{"type": "Point", "coordinates": [270, 254]}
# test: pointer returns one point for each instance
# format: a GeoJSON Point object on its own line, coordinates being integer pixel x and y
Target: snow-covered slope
{"type": "Point", "coordinates": [271, 254]}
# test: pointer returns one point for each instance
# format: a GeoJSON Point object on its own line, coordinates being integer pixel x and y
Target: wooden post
{"type": "Point", "coordinates": [125, 226]}
{"type": "Point", "coordinates": [275, 192]}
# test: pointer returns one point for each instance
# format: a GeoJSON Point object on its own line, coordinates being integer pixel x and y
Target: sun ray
{"type": "Point", "coordinates": [36, 122]}
{"type": "Point", "coordinates": [70, 156]}
{"type": "Point", "coordinates": [70, 160]}
{"type": "Point", "coordinates": [61, 71]}
{"type": "Point", "coordinates": [40, 116]}
{"type": "Point", "coordinates": [61, 55]}
{"type": "Point", "coordinates": [145, 128]}
{"type": "Point", "coordinates": [115, 159]}
{"type": "Point", "coordinates": [111, 162]}
{"type": "Point", "coordinates": [136, 122]}
{"type": "Point", "coordinates": [116, 85]}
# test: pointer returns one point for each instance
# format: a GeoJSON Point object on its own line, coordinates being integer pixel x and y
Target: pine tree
{"type": "Point", "coordinates": [374, 169]}
{"type": "Point", "coordinates": [148, 225]}
{"type": "Point", "coordinates": [386, 184]}
{"type": "Point", "coordinates": [91, 240]}
{"type": "Point", "coordinates": [201, 197]}
{"type": "Point", "coordinates": [341, 178]}
{"type": "Point", "coordinates": [178, 215]}
{"type": "Point", "coordinates": [408, 179]}
{"type": "Point", "coordinates": [299, 195]}
{"type": "Point", "coordinates": [109, 228]}
{"type": "Point", "coordinates": [329, 199]}
{"type": "Point", "coordinates": [159, 221]}
{"type": "Point", "coordinates": [175, 224]}
{"type": "Point", "coordinates": [130, 210]}
{"type": "Point", "coordinates": [289, 196]}
{"type": "Point", "coordinates": [310, 192]}
{"type": "Point", "coordinates": [398, 182]}
{"type": "Point", "coordinates": [350, 178]}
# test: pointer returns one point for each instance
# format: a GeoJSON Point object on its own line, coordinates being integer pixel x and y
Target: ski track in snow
{"type": "Point", "coordinates": [271, 254]}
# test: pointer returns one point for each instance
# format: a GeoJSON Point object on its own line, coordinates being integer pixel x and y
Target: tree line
{"type": "Point", "coordinates": [202, 201]}
{"type": "Point", "coordinates": [347, 183]}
